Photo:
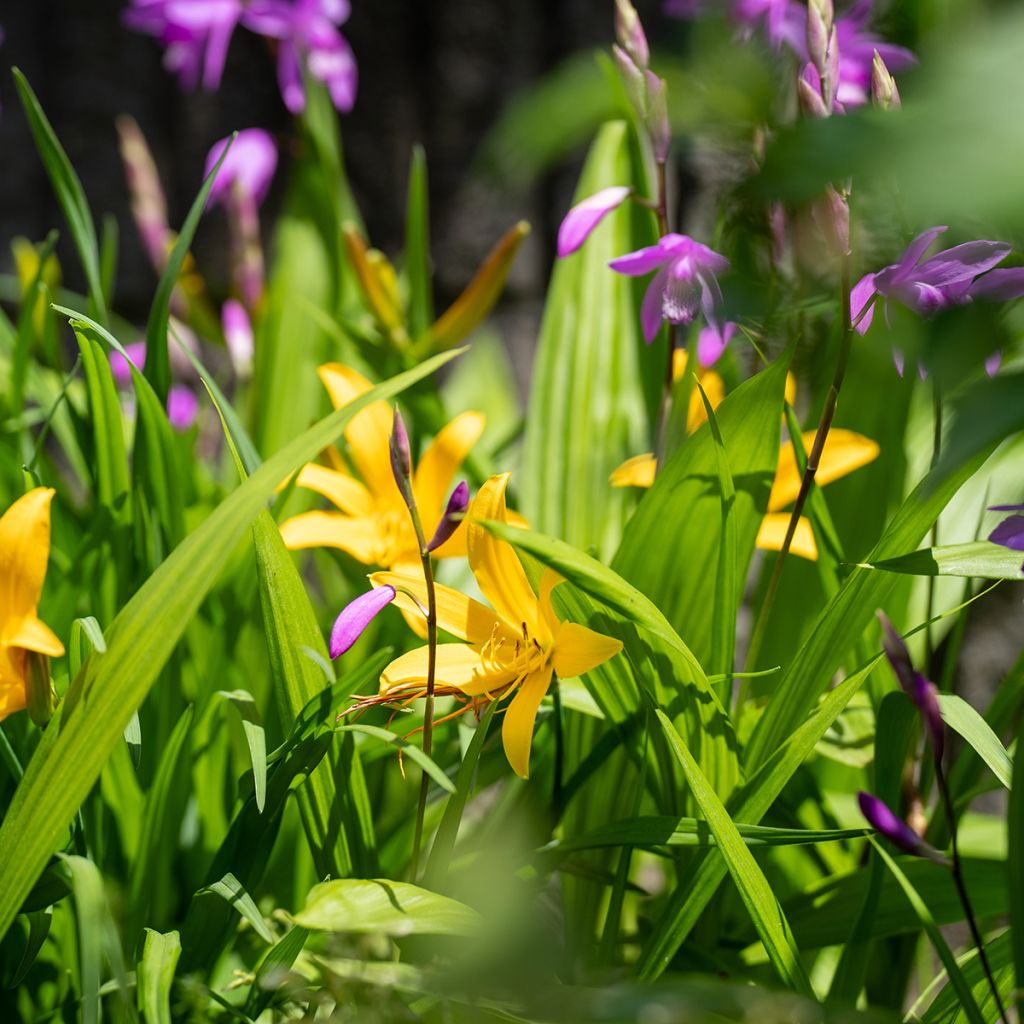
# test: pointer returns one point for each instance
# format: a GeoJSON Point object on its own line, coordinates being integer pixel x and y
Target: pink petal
{"type": "Point", "coordinates": [581, 220]}
{"type": "Point", "coordinates": [356, 616]}
{"type": "Point", "coordinates": [711, 342]}
{"type": "Point", "coordinates": [650, 310]}
{"type": "Point", "coordinates": [643, 261]}
{"type": "Point", "coordinates": [861, 294]}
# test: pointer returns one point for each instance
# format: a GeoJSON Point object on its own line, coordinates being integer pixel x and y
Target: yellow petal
{"type": "Point", "coordinates": [494, 563]}
{"type": "Point", "coordinates": [790, 388]}
{"type": "Point", "coordinates": [844, 452]}
{"type": "Point", "coordinates": [548, 581]}
{"type": "Point", "coordinates": [772, 534]}
{"type": "Point", "coordinates": [32, 634]}
{"type": "Point", "coordinates": [12, 687]}
{"type": "Point", "coordinates": [433, 477]}
{"type": "Point", "coordinates": [360, 537]}
{"type": "Point", "coordinates": [714, 388]}
{"type": "Point", "coordinates": [24, 552]}
{"type": "Point", "coordinates": [459, 666]}
{"type": "Point", "coordinates": [456, 614]}
{"type": "Point", "coordinates": [517, 729]}
{"type": "Point", "coordinates": [368, 431]}
{"type": "Point", "coordinates": [578, 650]}
{"type": "Point", "coordinates": [635, 472]}
{"type": "Point", "coordinates": [343, 490]}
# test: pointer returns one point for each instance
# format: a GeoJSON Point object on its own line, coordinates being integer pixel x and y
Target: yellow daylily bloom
{"type": "Point", "coordinates": [372, 523]}
{"type": "Point", "coordinates": [24, 553]}
{"type": "Point", "coordinates": [512, 649]}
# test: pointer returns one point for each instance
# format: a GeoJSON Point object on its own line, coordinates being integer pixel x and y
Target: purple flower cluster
{"type": "Point", "coordinates": [196, 34]}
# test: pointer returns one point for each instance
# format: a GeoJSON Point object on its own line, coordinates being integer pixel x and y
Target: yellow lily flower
{"type": "Point", "coordinates": [372, 523]}
{"type": "Point", "coordinates": [512, 648]}
{"type": "Point", "coordinates": [24, 553]}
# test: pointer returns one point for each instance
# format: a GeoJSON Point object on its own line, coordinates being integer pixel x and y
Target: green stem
{"type": "Point", "coordinates": [936, 452]}
{"type": "Point", "coordinates": [665, 412]}
{"type": "Point", "coordinates": [814, 457]}
{"type": "Point", "coordinates": [556, 789]}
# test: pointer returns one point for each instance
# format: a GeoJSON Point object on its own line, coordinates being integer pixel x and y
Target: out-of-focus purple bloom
{"type": "Point", "coordinates": [453, 513]}
{"type": "Point", "coordinates": [629, 34]}
{"type": "Point", "coordinates": [249, 165]}
{"type": "Point", "coordinates": [1010, 532]}
{"type": "Point", "coordinates": [993, 362]}
{"type": "Point", "coordinates": [238, 336]}
{"type": "Point", "coordinates": [149, 207]}
{"type": "Point", "coordinates": [195, 35]}
{"type": "Point", "coordinates": [182, 407]}
{"type": "Point", "coordinates": [948, 278]}
{"type": "Point", "coordinates": [881, 818]}
{"type": "Point", "coordinates": [308, 37]}
{"type": "Point", "coordinates": [712, 342]}
{"type": "Point", "coordinates": [119, 365]}
{"type": "Point", "coordinates": [921, 691]}
{"type": "Point", "coordinates": [684, 285]}
{"type": "Point", "coordinates": [857, 48]}
{"type": "Point", "coordinates": [581, 220]}
{"type": "Point", "coordinates": [356, 616]}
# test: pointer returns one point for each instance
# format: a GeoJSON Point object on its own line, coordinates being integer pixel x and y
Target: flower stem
{"type": "Point", "coordinates": [936, 452]}
{"type": "Point", "coordinates": [961, 888]}
{"type": "Point", "coordinates": [556, 788]}
{"type": "Point", "coordinates": [813, 458]}
{"type": "Point", "coordinates": [665, 412]}
{"type": "Point", "coordinates": [428, 706]}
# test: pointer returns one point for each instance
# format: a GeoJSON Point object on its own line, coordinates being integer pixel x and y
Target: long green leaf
{"type": "Point", "coordinates": [1015, 872]}
{"type": "Point", "coordinates": [255, 738]}
{"type": "Point", "coordinates": [111, 686]}
{"type": "Point", "coordinates": [232, 891]}
{"type": "Point", "coordinates": [417, 246]}
{"type": "Point", "coordinates": [980, 559]}
{"type": "Point", "coordinates": [279, 957]}
{"type": "Point", "coordinates": [962, 718]}
{"type": "Point", "coordinates": [155, 975]}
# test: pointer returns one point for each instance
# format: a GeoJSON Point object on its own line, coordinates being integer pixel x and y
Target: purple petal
{"type": "Point", "coordinates": [356, 616]}
{"type": "Point", "coordinates": [250, 164]}
{"type": "Point", "coordinates": [289, 78]}
{"type": "Point", "coordinates": [272, 18]}
{"type": "Point", "coordinates": [862, 293]}
{"type": "Point", "coordinates": [650, 310]}
{"type": "Point", "coordinates": [999, 285]}
{"type": "Point", "coordinates": [136, 352]}
{"type": "Point", "coordinates": [923, 299]}
{"type": "Point", "coordinates": [182, 407]}
{"type": "Point", "coordinates": [896, 651]}
{"type": "Point", "coordinates": [917, 248]}
{"type": "Point", "coordinates": [1010, 532]}
{"type": "Point", "coordinates": [711, 342]}
{"type": "Point", "coordinates": [681, 298]}
{"type": "Point", "coordinates": [886, 823]}
{"type": "Point", "coordinates": [454, 512]}
{"type": "Point", "coordinates": [993, 362]}
{"type": "Point", "coordinates": [581, 220]}
{"type": "Point", "coordinates": [960, 263]}
{"type": "Point", "coordinates": [217, 42]}
{"type": "Point", "coordinates": [332, 62]}
{"type": "Point", "coordinates": [1006, 508]}
{"type": "Point", "coordinates": [238, 336]}
{"type": "Point", "coordinates": [643, 261]}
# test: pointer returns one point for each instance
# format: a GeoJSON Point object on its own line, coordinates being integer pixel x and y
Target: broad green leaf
{"type": "Point", "coordinates": [70, 193]}
{"type": "Point", "coordinates": [158, 365]}
{"type": "Point", "coordinates": [379, 905]}
{"type": "Point", "coordinates": [754, 889]}
{"type": "Point", "coordinates": [155, 975]}
{"type": "Point", "coordinates": [232, 891]}
{"type": "Point", "coordinates": [255, 738]}
{"type": "Point", "coordinates": [670, 548]}
{"type": "Point", "coordinates": [978, 560]}
{"type": "Point", "coordinates": [595, 383]}
{"type": "Point", "coordinates": [417, 246]}
{"type": "Point", "coordinates": [111, 686]}
{"type": "Point", "coordinates": [962, 718]}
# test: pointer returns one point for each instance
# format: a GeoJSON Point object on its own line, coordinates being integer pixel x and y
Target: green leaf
{"type": "Point", "coordinates": [155, 975]}
{"type": "Point", "coordinates": [255, 738]}
{"type": "Point", "coordinates": [408, 749]}
{"type": "Point", "coordinates": [980, 559]}
{"type": "Point", "coordinates": [378, 905]}
{"type": "Point", "coordinates": [102, 698]}
{"type": "Point", "coordinates": [680, 517]}
{"type": "Point", "coordinates": [962, 718]}
{"type": "Point", "coordinates": [1015, 873]}
{"type": "Point", "coordinates": [417, 246]}
{"type": "Point", "coordinates": [70, 193]}
{"type": "Point", "coordinates": [158, 365]}
{"type": "Point", "coordinates": [595, 384]}
{"type": "Point", "coordinates": [39, 922]}
{"type": "Point", "coordinates": [754, 889]}
{"type": "Point", "coordinates": [232, 891]}
{"type": "Point", "coordinates": [945, 1006]}
{"type": "Point", "coordinates": [279, 957]}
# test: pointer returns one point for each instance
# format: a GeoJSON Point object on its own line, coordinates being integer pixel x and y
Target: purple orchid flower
{"type": "Point", "coordinates": [921, 691]}
{"type": "Point", "coordinates": [857, 47]}
{"type": "Point", "coordinates": [886, 823]}
{"type": "Point", "coordinates": [581, 220]}
{"type": "Point", "coordinates": [1010, 532]}
{"type": "Point", "coordinates": [950, 277]}
{"type": "Point", "coordinates": [454, 511]}
{"type": "Point", "coordinates": [182, 404]}
{"type": "Point", "coordinates": [249, 165]}
{"type": "Point", "coordinates": [356, 616]}
{"type": "Point", "coordinates": [309, 37]}
{"type": "Point", "coordinates": [195, 35]}
{"type": "Point", "coordinates": [685, 282]}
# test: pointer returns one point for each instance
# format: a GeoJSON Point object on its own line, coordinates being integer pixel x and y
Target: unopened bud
{"type": "Point", "coordinates": [401, 458]}
{"type": "Point", "coordinates": [40, 696]}
{"type": "Point", "coordinates": [808, 90]}
{"type": "Point", "coordinates": [884, 93]}
{"type": "Point", "coordinates": [657, 117]}
{"type": "Point", "coordinates": [832, 215]}
{"type": "Point", "coordinates": [629, 33]}
{"type": "Point", "coordinates": [453, 515]}
{"type": "Point", "coordinates": [819, 31]}
{"type": "Point", "coordinates": [830, 77]}
{"type": "Point", "coordinates": [882, 819]}
{"type": "Point", "coordinates": [356, 616]}
{"type": "Point", "coordinates": [632, 79]}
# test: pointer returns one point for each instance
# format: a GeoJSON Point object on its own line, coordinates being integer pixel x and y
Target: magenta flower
{"type": "Point", "coordinates": [712, 342]}
{"type": "Point", "coordinates": [309, 38]}
{"type": "Point", "coordinates": [356, 616]}
{"type": "Point", "coordinates": [921, 691]}
{"type": "Point", "coordinates": [948, 278]}
{"type": "Point", "coordinates": [684, 285]}
{"type": "Point", "coordinates": [1010, 532]}
{"type": "Point", "coordinates": [882, 819]}
{"type": "Point", "coordinates": [195, 35]}
{"type": "Point", "coordinates": [182, 404]}
{"type": "Point", "coordinates": [238, 336]}
{"type": "Point", "coordinates": [454, 511]}
{"type": "Point", "coordinates": [119, 365]}
{"type": "Point", "coordinates": [249, 165]}
{"type": "Point", "coordinates": [857, 47]}
{"type": "Point", "coordinates": [581, 220]}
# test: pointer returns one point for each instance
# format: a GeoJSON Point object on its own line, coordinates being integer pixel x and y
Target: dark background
{"type": "Point", "coordinates": [437, 72]}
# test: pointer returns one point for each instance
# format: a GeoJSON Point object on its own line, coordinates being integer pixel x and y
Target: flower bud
{"type": "Point", "coordinates": [453, 514]}
{"type": "Point", "coordinates": [819, 31]}
{"type": "Point", "coordinates": [401, 458]}
{"type": "Point", "coordinates": [884, 93]}
{"type": "Point", "coordinates": [629, 33]}
{"type": "Point", "coordinates": [830, 76]}
{"type": "Point", "coordinates": [832, 215]}
{"type": "Point", "coordinates": [879, 816]}
{"type": "Point", "coordinates": [581, 220]}
{"type": "Point", "coordinates": [657, 117]}
{"type": "Point", "coordinates": [808, 90]}
{"type": "Point", "coordinates": [40, 696]}
{"type": "Point", "coordinates": [356, 616]}
{"type": "Point", "coordinates": [633, 79]}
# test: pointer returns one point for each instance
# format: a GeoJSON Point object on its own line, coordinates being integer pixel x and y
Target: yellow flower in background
{"type": "Point", "coordinates": [512, 649]}
{"type": "Point", "coordinates": [24, 553]}
{"type": "Point", "coordinates": [372, 523]}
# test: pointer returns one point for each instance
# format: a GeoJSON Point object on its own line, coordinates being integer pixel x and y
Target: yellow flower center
{"type": "Point", "coordinates": [396, 542]}
{"type": "Point", "coordinates": [516, 658]}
